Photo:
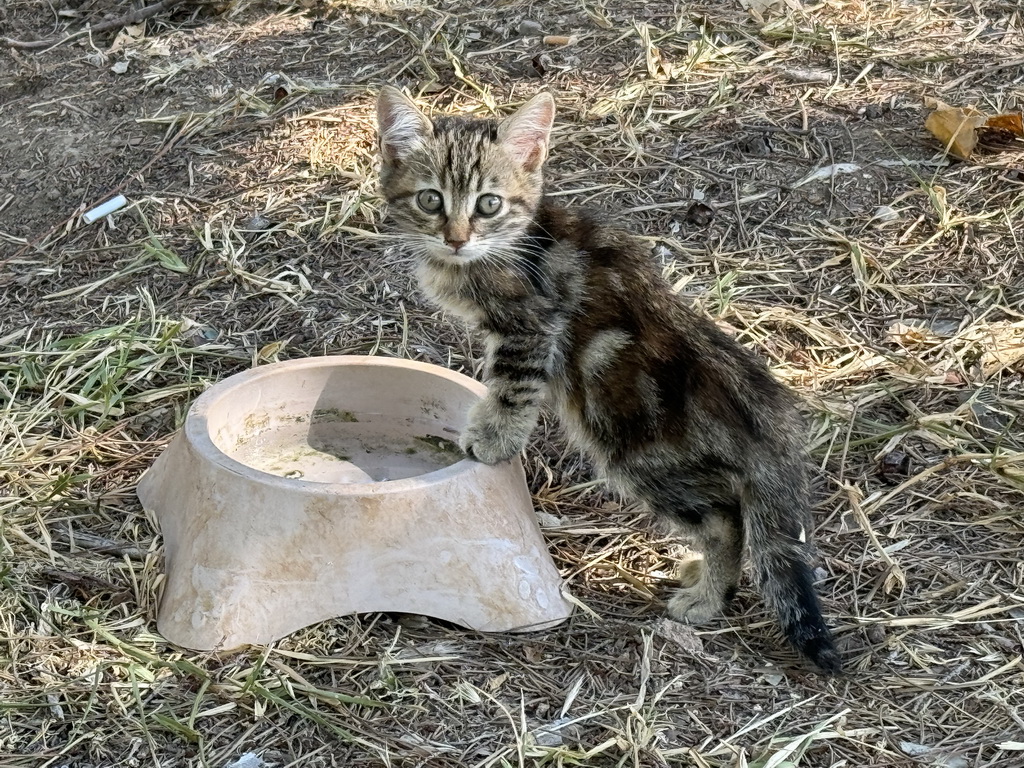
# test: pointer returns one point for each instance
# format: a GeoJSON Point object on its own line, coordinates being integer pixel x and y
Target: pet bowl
{"type": "Point", "coordinates": [316, 488]}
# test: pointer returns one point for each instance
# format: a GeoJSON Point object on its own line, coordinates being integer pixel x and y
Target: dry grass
{"type": "Point", "coordinates": [241, 132]}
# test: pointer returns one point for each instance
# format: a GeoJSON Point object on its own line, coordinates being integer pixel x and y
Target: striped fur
{"type": "Point", "coordinates": [673, 412]}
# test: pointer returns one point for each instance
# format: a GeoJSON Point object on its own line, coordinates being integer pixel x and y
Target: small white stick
{"type": "Point", "coordinates": [106, 209]}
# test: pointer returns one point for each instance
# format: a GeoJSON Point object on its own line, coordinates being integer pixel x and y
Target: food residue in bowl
{"type": "Point", "coordinates": [337, 446]}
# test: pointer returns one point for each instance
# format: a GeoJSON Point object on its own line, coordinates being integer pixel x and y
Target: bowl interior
{"type": "Point", "coordinates": [356, 422]}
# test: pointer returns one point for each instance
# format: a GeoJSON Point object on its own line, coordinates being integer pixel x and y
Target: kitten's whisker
{"type": "Point", "coordinates": [515, 254]}
{"type": "Point", "coordinates": [511, 259]}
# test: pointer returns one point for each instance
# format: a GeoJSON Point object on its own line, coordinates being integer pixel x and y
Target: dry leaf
{"type": "Point", "coordinates": [269, 352]}
{"type": "Point", "coordinates": [762, 9]}
{"type": "Point", "coordinates": [598, 17]}
{"type": "Point", "coordinates": [910, 336]}
{"type": "Point", "coordinates": [496, 682]}
{"type": "Point", "coordinates": [957, 127]}
{"type": "Point", "coordinates": [1002, 132]}
{"type": "Point", "coordinates": [1013, 122]}
{"type": "Point", "coordinates": [1003, 345]}
{"type": "Point", "coordinates": [129, 36]}
{"type": "Point", "coordinates": [681, 635]}
{"type": "Point", "coordinates": [827, 173]}
{"type": "Point", "coordinates": [533, 653]}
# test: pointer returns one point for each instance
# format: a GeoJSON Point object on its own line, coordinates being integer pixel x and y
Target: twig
{"type": "Point", "coordinates": [983, 71]}
{"type": "Point", "coordinates": [773, 129]}
{"type": "Point", "coordinates": [121, 21]}
{"type": "Point", "coordinates": [86, 540]}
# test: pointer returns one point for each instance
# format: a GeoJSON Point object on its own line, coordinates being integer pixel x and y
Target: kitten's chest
{"type": "Point", "coordinates": [452, 290]}
{"type": "Point", "coordinates": [483, 295]}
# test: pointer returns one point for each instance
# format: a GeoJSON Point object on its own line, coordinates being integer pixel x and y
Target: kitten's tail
{"type": "Point", "coordinates": [773, 517]}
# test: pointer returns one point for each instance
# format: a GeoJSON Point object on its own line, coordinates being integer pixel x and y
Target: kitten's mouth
{"type": "Point", "coordinates": [446, 254]}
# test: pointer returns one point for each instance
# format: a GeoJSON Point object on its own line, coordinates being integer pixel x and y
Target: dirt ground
{"type": "Point", "coordinates": [776, 159]}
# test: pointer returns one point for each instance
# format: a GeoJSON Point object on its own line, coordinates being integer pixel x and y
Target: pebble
{"type": "Point", "coordinates": [528, 28]}
{"type": "Point", "coordinates": [258, 223]}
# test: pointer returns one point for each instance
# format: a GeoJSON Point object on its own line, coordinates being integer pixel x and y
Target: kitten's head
{"type": "Point", "coordinates": [462, 189]}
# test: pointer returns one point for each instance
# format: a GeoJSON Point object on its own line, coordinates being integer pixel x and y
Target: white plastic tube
{"type": "Point", "coordinates": [106, 209]}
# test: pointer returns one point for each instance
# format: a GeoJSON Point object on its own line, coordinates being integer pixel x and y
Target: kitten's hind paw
{"type": "Point", "coordinates": [693, 605]}
{"type": "Point", "coordinates": [696, 601]}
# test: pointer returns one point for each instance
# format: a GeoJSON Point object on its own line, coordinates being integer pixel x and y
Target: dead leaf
{"type": "Point", "coordinates": [84, 586]}
{"type": "Point", "coordinates": [131, 35]}
{"type": "Point", "coordinates": [657, 67]}
{"type": "Point", "coordinates": [1003, 345]}
{"type": "Point", "coordinates": [1012, 122]}
{"type": "Point", "coordinates": [597, 16]}
{"type": "Point", "coordinates": [958, 127]}
{"type": "Point", "coordinates": [680, 635]}
{"type": "Point", "coordinates": [269, 352]}
{"type": "Point", "coordinates": [496, 682]}
{"type": "Point", "coordinates": [827, 173]}
{"type": "Point", "coordinates": [762, 9]}
{"type": "Point", "coordinates": [1002, 132]}
{"type": "Point", "coordinates": [955, 128]}
{"type": "Point", "coordinates": [533, 653]}
{"type": "Point", "coordinates": [910, 336]}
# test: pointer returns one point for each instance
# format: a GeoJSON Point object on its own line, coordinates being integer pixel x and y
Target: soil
{"type": "Point", "coordinates": [888, 293]}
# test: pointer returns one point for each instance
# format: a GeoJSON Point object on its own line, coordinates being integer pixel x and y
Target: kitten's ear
{"type": "Point", "coordinates": [525, 133]}
{"type": "Point", "coordinates": [400, 124]}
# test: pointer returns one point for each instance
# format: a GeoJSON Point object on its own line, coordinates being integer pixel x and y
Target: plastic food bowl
{"type": "Point", "coordinates": [315, 488]}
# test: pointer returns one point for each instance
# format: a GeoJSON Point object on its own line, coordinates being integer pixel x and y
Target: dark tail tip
{"type": "Point", "coordinates": [799, 610]}
{"type": "Point", "coordinates": [815, 642]}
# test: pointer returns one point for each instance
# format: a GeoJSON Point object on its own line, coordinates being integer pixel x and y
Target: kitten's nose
{"type": "Point", "coordinates": [456, 244]}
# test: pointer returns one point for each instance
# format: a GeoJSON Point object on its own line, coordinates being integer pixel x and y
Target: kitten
{"type": "Point", "coordinates": [673, 412]}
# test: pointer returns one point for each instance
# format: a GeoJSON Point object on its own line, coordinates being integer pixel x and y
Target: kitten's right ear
{"type": "Point", "coordinates": [526, 133]}
{"type": "Point", "coordinates": [400, 124]}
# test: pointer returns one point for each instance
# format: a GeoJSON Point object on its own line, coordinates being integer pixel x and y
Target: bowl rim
{"type": "Point", "coordinates": [196, 428]}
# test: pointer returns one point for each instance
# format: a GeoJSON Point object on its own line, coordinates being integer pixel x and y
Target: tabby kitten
{"type": "Point", "coordinates": [673, 412]}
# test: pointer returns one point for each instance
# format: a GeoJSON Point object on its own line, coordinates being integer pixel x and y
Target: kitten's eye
{"type": "Point", "coordinates": [430, 200]}
{"type": "Point", "coordinates": [488, 205]}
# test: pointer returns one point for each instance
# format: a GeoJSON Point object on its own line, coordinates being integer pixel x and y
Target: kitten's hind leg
{"type": "Point", "coordinates": [700, 500]}
{"type": "Point", "coordinates": [708, 583]}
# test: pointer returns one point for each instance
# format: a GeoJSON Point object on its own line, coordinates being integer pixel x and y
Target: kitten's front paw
{"type": "Point", "coordinates": [495, 434]}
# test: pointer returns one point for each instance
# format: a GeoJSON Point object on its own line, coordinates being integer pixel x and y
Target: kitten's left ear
{"type": "Point", "coordinates": [525, 133]}
{"type": "Point", "coordinates": [402, 127]}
